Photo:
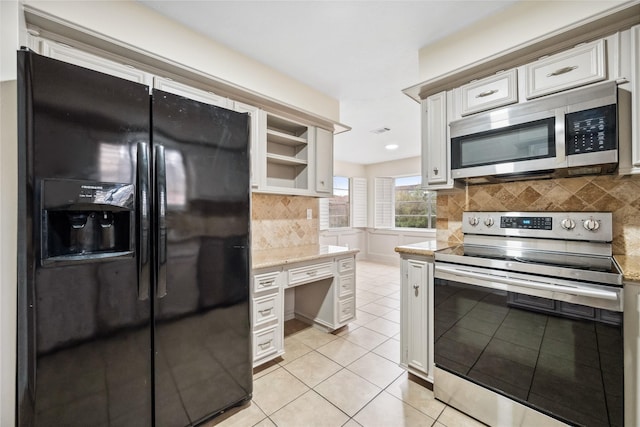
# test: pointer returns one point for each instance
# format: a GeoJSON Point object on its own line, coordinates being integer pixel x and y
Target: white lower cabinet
{"type": "Point", "coordinates": [328, 302]}
{"type": "Point", "coordinates": [325, 295]}
{"type": "Point", "coordinates": [267, 315]}
{"type": "Point", "coordinates": [416, 316]}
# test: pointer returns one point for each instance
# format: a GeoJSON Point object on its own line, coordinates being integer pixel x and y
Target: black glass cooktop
{"type": "Point", "coordinates": [541, 258]}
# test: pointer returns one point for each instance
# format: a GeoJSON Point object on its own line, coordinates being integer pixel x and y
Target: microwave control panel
{"type": "Point", "coordinates": [591, 130]}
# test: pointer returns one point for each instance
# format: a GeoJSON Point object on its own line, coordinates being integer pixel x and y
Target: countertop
{"type": "Point", "coordinates": [283, 256]}
{"type": "Point", "coordinates": [426, 248]}
{"type": "Point", "coordinates": [630, 266]}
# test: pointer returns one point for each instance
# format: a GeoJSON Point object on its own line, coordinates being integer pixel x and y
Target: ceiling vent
{"type": "Point", "coordinates": [381, 130]}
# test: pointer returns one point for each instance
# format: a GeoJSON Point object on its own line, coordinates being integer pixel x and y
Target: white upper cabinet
{"type": "Point", "coordinates": [288, 162]}
{"type": "Point", "coordinates": [177, 88]}
{"type": "Point", "coordinates": [490, 92]}
{"type": "Point", "coordinates": [572, 68]}
{"type": "Point", "coordinates": [324, 162]}
{"type": "Point", "coordinates": [629, 107]}
{"type": "Point", "coordinates": [436, 170]}
{"type": "Point", "coordinates": [84, 59]}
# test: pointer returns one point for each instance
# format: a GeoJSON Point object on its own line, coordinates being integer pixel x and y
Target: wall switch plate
{"type": "Point", "coordinates": [309, 213]}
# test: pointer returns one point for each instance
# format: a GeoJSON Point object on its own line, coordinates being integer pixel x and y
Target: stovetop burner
{"type": "Point", "coordinates": [553, 259]}
{"type": "Point", "coordinates": [564, 245]}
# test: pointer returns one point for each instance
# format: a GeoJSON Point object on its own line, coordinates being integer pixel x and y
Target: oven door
{"type": "Point", "coordinates": [556, 350]}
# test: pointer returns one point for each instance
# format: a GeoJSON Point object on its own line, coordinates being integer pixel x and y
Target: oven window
{"type": "Point", "coordinates": [563, 359]}
{"type": "Point", "coordinates": [527, 141]}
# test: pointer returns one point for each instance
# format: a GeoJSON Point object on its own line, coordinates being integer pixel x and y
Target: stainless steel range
{"type": "Point", "coordinates": [528, 320]}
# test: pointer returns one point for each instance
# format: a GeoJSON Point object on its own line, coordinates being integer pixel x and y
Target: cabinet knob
{"type": "Point", "coordinates": [435, 171]}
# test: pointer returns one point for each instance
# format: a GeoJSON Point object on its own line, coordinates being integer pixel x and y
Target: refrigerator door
{"type": "Point", "coordinates": [84, 335]}
{"type": "Point", "coordinates": [202, 325]}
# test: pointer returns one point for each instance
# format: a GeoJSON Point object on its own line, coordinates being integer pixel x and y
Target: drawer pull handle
{"type": "Point", "coordinates": [265, 344]}
{"type": "Point", "coordinates": [487, 93]}
{"type": "Point", "coordinates": [435, 171]}
{"type": "Point", "coordinates": [312, 273]}
{"type": "Point", "coordinates": [266, 310]}
{"type": "Point", "coordinates": [563, 70]}
{"type": "Point", "coordinates": [265, 284]}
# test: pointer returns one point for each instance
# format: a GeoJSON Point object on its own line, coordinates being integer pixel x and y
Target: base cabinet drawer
{"type": "Point", "coordinates": [267, 342]}
{"type": "Point", "coordinates": [347, 285]}
{"type": "Point", "coordinates": [345, 264]}
{"type": "Point", "coordinates": [310, 273]}
{"type": "Point", "coordinates": [346, 309]}
{"type": "Point", "coordinates": [266, 309]}
{"type": "Point", "coordinates": [266, 281]}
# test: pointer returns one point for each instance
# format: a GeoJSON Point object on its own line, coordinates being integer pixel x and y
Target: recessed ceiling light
{"type": "Point", "coordinates": [391, 146]}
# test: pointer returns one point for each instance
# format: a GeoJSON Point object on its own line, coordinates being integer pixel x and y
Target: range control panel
{"type": "Point", "coordinates": [527, 222]}
{"type": "Point", "coordinates": [596, 226]}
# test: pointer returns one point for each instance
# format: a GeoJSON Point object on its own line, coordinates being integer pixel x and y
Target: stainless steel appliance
{"type": "Point", "coordinates": [133, 286]}
{"type": "Point", "coordinates": [528, 320]}
{"type": "Point", "coordinates": [572, 133]}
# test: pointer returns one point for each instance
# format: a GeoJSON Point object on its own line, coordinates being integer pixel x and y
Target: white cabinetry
{"type": "Point", "coordinates": [631, 339]}
{"type": "Point", "coordinates": [267, 315]}
{"type": "Point", "coordinates": [416, 316]}
{"type": "Point", "coordinates": [286, 149]}
{"type": "Point", "coordinates": [490, 92]}
{"type": "Point", "coordinates": [177, 88]}
{"type": "Point", "coordinates": [572, 68]}
{"type": "Point", "coordinates": [324, 162]}
{"type": "Point", "coordinates": [634, 55]}
{"type": "Point", "coordinates": [74, 56]}
{"type": "Point", "coordinates": [436, 170]}
{"type": "Point", "coordinates": [328, 302]}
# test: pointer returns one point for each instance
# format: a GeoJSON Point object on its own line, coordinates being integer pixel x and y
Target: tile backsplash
{"type": "Point", "coordinates": [281, 221]}
{"type": "Point", "coordinates": [606, 193]}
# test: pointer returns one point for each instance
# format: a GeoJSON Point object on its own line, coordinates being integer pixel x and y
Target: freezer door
{"type": "Point", "coordinates": [83, 328]}
{"type": "Point", "coordinates": [202, 327]}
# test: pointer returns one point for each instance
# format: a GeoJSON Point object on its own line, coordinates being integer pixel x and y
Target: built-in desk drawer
{"type": "Point", "coordinates": [346, 309]}
{"type": "Point", "coordinates": [266, 342]}
{"type": "Point", "coordinates": [345, 264]}
{"type": "Point", "coordinates": [347, 285]}
{"type": "Point", "coordinates": [266, 309]}
{"type": "Point", "coordinates": [310, 273]}
{"type": "Point", "coordinates": [265, 281]}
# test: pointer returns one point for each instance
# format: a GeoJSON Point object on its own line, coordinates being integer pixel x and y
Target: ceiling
{"type": "Point", "coordinates": [362, 53]}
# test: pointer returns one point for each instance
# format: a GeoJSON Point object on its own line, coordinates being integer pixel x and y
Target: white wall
{"type": "Point", "coordinates": [134, 25]}
{"type": "Point", "coordinates": [376, 245]}
{"type": "Point", "coordinates": [515, 25]}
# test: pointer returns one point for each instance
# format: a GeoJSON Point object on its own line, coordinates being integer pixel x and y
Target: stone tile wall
{"type": "Point", "coordinates": [606, 193]}
{"type": "Point", "coordinates": [281, 221]}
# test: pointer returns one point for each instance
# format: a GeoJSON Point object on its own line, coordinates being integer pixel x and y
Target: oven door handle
{"type": "Point", "coordinates": [594, 293]}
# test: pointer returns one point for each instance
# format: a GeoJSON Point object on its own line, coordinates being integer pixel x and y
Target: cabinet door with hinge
{"type": "Point", "coordinates": [324, 161]}
{"type": "Point", "coordinates": [418, 311]}
{"type": "Point", "coordinates": [434, 140]}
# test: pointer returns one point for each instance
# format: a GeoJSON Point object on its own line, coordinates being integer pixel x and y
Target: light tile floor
{"type": "Point", "coordinates": [349, 378]}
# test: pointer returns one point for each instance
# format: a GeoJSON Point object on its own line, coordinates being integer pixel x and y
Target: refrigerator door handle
{"type": "Point", "coordinates": [144, 221]}
{"type": "Point", "coordinates": [161, 229]}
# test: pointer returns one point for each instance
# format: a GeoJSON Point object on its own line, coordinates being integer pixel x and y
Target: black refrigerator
{"type": "Point", "coordinates": [134, 256]}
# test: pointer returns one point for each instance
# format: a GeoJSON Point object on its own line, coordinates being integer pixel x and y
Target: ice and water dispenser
{"type": "Point", "coordinates": [86, 221]}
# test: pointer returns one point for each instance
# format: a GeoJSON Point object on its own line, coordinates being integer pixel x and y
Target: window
{"type": "Point", "coordinates": [415, 207]}
{"type": "Point", "coordinates": [339, 203]}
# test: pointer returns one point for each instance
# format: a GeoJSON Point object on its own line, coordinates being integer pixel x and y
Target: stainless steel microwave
{"type": "Point", "coordinates": [568, 134]}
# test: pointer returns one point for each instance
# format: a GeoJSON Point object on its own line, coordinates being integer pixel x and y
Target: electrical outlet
{"type": "Point", "coordinates": [309, 213]}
